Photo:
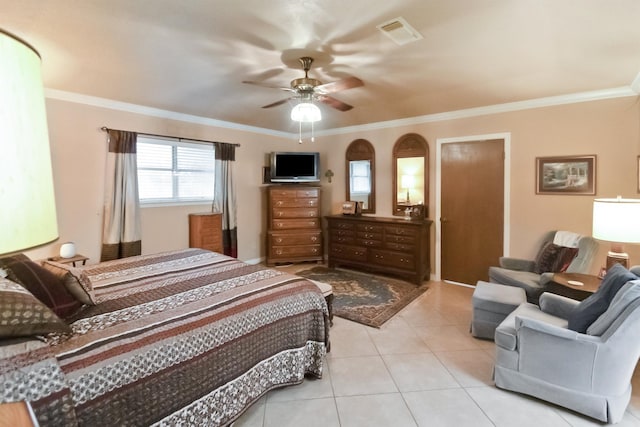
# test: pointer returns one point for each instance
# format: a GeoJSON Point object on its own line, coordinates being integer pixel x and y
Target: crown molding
{"type": "Point", "coordinates": [620, 92]}
{"type": "Point", "coordinates": [157, 112]}
{"type": "Point", "coordinates": [596, 95]}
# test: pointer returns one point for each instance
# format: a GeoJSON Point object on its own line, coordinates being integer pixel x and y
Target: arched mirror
{"type": "Point", "coordinates": [360, 173]}
{"type": "Point", "coordinates": [411, 176]}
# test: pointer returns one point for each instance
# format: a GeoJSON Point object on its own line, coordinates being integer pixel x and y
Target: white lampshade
{"type": "Point", "coordinates": [617, 220]}
{"type": "Point", "coordinates": [306, 112]}
{"type": "Point", "coordinates": [28, 215]}
{"type": "Point", "coordinates": [407, 181]}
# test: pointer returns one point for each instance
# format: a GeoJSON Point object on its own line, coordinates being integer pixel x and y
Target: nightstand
{"type": "Point", "coordinates": [72, 260]}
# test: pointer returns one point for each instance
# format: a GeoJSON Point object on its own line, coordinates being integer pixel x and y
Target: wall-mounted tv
{"type": "Point", "coordinates": [295, 167]}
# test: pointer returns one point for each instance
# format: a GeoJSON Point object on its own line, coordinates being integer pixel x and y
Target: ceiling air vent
{"type": "Point", "coordinates": [399, 31]}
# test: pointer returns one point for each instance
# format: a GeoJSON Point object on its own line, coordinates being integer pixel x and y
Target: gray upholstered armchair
{"type": "Point", "coordinates": [521, 272]}
{"type": "Point", "coordinates": [590, 372]}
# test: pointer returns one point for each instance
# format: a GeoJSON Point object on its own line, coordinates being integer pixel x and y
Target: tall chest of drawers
{"type": "Point", "coordinates": [205, 231]}
{"type": "Point", "coordinates": [391, 245]}
{"type": "Point", "coordinates": [294, 228]}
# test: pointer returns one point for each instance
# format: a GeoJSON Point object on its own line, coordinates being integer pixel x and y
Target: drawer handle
{"type": "Point", "coordinates": [314, 250]}
{"type": "Point", "coordinates": [279, 252]}
{"type": "Point", "coordinates": [279, 240]}
{"type": "Point", "coordinates": [279, 203]}
{"type": "Point", "coordinates": [279, 224]}
{"type": "Point", "coordinates": [314, 238]}
{"type": "Point", "coordinates": [279, 213]}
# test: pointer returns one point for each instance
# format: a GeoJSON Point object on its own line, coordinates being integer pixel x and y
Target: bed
{"type": "Point", "coordinates": [187, 337]}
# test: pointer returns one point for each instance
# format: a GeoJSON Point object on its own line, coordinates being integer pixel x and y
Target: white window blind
{"type": "Point", "coordinates": [174, 171]}
{"type": "Point", "coordinates": [360, 177]}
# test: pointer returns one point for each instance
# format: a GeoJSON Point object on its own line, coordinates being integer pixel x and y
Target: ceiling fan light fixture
{"type": "Point", "coordinates": [306, 112]}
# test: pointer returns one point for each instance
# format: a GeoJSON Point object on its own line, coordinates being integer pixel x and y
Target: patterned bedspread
{"type": "Point", "coordinates": [187, 337]}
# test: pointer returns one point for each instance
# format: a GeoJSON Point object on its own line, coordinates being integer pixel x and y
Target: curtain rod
{"type": "Point", "coordinates": [106, 129]}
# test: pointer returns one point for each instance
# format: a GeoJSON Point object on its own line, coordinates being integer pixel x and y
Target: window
{"type": "Point", "coordinates": [174, 171]}
{"type": "Point", "coordinates": [359, 173]}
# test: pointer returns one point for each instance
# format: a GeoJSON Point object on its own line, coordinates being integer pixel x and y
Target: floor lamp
{"type": "Point", "coordinates": [28, 217]}
{"type": "Point", "coordinates": [617, 221]}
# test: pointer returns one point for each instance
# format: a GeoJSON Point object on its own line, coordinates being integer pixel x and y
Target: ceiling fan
{"type": "Point", "coordinates": [308, 89]}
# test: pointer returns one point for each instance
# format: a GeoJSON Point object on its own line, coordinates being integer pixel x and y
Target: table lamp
{"type": "Point", "coordinates": [28, 216]}
{"type": "Point", "coordinates": [617, 221]}
{"type": "Point", "coordinates": [407, 182]}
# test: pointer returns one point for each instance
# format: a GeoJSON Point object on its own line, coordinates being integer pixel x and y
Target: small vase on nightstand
{"type": "Point", "coordinates": [68, 250]}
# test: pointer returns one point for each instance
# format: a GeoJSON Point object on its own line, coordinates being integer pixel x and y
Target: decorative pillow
{"type": "Point", "coordinates": [553, 258]}
{"type": "Point", "coordinates": [629, 293]}
{"type": "Point", "coordinates": [22, 315]}
{"type": "Point", "coordinates": [585, 313]}
{"type": "Point", "coordinates": [74, 279]}
{"type": "Point", "coordinates": [565, 257]}
{"type": "Point", "coordinates": [45, 286]}
{"type": "Point", "coordinates": [5, 261]}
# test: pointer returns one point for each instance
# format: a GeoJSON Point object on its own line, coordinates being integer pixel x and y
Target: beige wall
{"type": "Point", "coordinates": [78, 149]}
{"type": "Point", "coordinates": [606, 128]}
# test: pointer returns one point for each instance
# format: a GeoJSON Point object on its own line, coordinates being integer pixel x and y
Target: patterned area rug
{"type": "Point", "coordinates": [365, 298]}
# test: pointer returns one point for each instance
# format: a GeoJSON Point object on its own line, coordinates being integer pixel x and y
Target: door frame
{"type": "Point", "coordinates": [506, 137]}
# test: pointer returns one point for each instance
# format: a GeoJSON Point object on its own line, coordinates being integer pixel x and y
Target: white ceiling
{"type": "Point", "coordinates": [191, 56]}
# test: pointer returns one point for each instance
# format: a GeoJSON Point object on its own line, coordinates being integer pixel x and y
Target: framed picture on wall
{"type": "Point", "coordinates": [566, 175]}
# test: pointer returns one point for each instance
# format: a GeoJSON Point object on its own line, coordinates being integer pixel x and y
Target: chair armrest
{"type": "Point", "coordinates": [546, 278]}
{"type": "Point", "coordinates": [517, 264]}
{"type": "Point", "coordinates": [557, 305]}
{"type": "Point", "coordinates": [557, 355]}
{"type": "Point", "coordinates": [545, 328]}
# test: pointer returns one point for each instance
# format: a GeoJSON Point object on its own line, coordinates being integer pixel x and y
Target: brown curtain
{"type": "Point", "coordinates": [225, 197]}
{"type": "Point", "coordinates": [121, 235]}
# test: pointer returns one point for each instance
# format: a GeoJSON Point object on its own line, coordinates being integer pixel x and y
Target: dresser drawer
{"type": "Point", "coordinates": [369, 243]}
{"type": "Point", "coordinates": [339, 225]}
{"type": "Point", "coordinates": [370, 228]}
{"type": "Point", "coordinates": [297, 238]}
{"type": "Point", "coordinates": [348, 240]}
{"type": "Point", "coordinates": [295, 213]}
{"type": "Point", "coordinates": [294, 192]}
{"type": "Point", "coordinates": [295, 203]}
{"type": "Point", "coordinates": [288, 224]}
{"type": "Point", "coordinates": [396, 238]}
{"type": "Point", "coordinates": [345, 252]}
{"type": "Point", "coordinates": [367, 235]}
{"type": "Point", "coordinates": [393, 259]}
{"type": "Point", "coordinates": [400, 247]}
{"type": "Point", "coordinates": [400, 230]}
{"type": "Point", "coordinates": [342, 233]}
{"type": "Point", "coordinates": [295, 251]}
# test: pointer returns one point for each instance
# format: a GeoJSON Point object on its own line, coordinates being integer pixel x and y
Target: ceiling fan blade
{"type": "Point", "coordinates": [275, 104]}
{"type": "Point", "coordinates": [332, 102]}
{"type": "Point", "coordinates": [348, 83]}
{"type": "Point", "coordinates": [268, 86]}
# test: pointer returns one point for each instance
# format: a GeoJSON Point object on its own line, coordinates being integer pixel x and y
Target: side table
{"type": "Point", "coordinates": [72, 260]}
{"type": "Point", "coordinates": [560, 285]}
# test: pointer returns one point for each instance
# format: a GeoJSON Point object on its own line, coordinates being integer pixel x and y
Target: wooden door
{"type": "Point", "coordinates": [472, 209]}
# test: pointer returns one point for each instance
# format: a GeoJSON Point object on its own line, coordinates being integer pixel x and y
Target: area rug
{"type": "Point", "coordinates": [365, 298]}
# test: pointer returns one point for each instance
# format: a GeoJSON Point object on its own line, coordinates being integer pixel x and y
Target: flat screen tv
{"type": "Point", "coordinates": [295, 167]}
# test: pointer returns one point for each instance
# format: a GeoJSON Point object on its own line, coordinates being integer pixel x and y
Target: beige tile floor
{"type": "Point", "coordinates": [421, 368]}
